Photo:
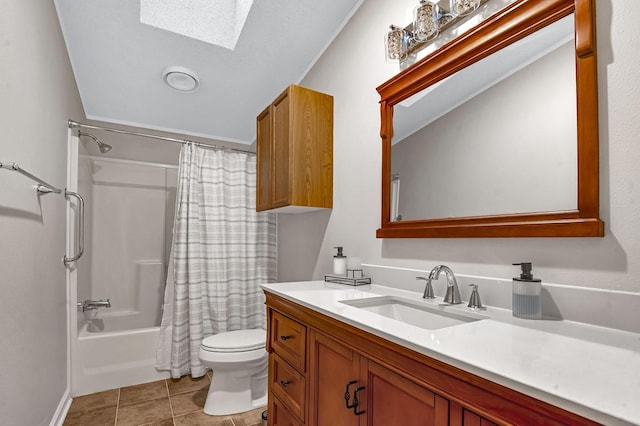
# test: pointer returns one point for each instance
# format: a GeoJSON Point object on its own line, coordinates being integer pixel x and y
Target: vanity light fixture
{"type": "Point", "coordinates": [180, 78]}
{"type": "Point", "coordinates": [463, 7]}
{"type": "Point", "coordinates": [430, 19]}
{"type": "Point", "coordinates": [425, 24]}
{"type": "Point", "coordinates": [396, 44]}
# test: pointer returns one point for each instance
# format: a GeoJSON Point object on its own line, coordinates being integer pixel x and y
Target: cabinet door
{"type": "Point", "coordinates": [393, 399]}
{"type": "Point", "coordinates": [331, 367]}
{"type": "Point", "coordinates": [281, 150]}
{"type": "Point", "coordinates": [263, 160]}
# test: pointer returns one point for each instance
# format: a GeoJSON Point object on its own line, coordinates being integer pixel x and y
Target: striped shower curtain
{"type": "Point", "coordinates": [222, 251]}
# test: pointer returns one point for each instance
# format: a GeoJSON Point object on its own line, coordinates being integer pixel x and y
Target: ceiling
{"type": "Point", "coordinates": [118, 63]}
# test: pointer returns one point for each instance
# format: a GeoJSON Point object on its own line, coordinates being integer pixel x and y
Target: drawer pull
{"type": "Point", "coordinates": [284, 383]}
{"type": "Point", "coordinates": [347, 395]}
{"type": "Point", "coordinates": [356, 402]}
{"type": "Point", "coordinates": [285, 337]}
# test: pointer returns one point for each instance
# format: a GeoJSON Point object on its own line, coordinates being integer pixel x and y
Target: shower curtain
{"type": "Point", "coordinates": [222, 251]}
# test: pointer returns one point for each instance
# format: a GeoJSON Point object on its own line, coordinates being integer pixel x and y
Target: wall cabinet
{"type": "Point", "coordinates": [323, 371]}
{"type": "Point", "coordinates": [295, 152]}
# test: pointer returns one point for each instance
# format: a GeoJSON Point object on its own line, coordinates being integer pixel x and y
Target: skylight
{"type": "Point", "coordinates": [218, 22]}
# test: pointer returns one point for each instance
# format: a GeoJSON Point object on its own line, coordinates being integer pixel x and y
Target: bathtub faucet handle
{"type": "Point", "coordinates": [89, 305]}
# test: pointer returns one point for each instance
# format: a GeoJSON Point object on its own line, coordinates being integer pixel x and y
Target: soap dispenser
{"type": "Point", "coordinates": [526, 300]}
{"type": "Point", "coordinates": [339, 263]}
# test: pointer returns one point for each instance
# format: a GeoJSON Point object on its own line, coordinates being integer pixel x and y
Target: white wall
{"type": "Point", "coordinates": [37, 96]}
{"type": "Point", "coordinates": [354, 66]}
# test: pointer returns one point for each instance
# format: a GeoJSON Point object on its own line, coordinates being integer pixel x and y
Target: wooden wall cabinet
{"type": "Point", "coordinates": [295, 152]}
{"type": "Point", "coordinates": [324, 359]}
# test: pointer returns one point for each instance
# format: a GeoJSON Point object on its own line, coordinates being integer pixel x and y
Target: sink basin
{"type": "Point", "coordinates": [430, 317]}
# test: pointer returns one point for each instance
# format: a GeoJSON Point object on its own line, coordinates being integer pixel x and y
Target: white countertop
{"type": "Point", "coordinates": [589, 370]}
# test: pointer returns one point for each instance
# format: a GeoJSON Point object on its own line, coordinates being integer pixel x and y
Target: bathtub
{"type": "Point", "coordinates": [108, 355]}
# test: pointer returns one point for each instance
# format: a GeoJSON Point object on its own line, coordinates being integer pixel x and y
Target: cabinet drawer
{"type": "Point", "coordinates": [280, 416]}
{"type": "Point", "coordinates": [289, 340]}
{"type": "Point", "coordinates": [288, 385]}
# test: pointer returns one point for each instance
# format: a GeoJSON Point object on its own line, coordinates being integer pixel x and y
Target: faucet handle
{"type": "Point", "coordinates": [474, 299]}
{"type": "Point", "coordinates": [428, 289]}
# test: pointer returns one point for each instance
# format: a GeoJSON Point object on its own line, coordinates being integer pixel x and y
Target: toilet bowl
{"type": "Point", "coordinates": [239, 362]}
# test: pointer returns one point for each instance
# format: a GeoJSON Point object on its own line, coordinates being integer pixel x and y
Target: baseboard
{"type": "Point", "coordinates": [63, 408]}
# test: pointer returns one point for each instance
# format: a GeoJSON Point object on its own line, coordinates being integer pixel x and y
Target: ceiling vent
{"type": "Point", "coordinates": [180, 78]}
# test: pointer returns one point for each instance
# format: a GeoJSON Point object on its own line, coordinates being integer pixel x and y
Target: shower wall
{"type": "Point", "coordinates": [128, 222]}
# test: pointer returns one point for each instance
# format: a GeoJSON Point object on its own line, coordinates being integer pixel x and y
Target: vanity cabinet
{"type": "Point", "coordinates": [295, 152]}
{"type": "Point", "coordinates": [393, 385]}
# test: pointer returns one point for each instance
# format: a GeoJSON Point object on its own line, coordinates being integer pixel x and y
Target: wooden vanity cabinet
{"type": "Point", "coordinates": [295, 152]}
{"type": "Point", "coordinates": [395, 385]}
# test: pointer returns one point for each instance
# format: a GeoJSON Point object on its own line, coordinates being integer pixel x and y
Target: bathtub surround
{"type": "Point", "coordinates": [128, 211]}
{"type": "Point", "coordinates": [129, 207]}
{"type": "Point", "coordinates": [222, 251]}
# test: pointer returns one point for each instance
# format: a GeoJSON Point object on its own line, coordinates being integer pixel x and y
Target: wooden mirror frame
{"type": "Point", "coordinates": [507, 26]}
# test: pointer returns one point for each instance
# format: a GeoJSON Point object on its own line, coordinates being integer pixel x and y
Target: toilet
{"type": "Point", "coordinates": [239, 362]}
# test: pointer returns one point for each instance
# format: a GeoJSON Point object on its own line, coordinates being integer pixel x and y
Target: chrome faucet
{"type": "Point", "coordinates": [89, 305]}
{"type": "Point", "coordinates": [452, 296]}
{"type": "Point", "coordinates": [428, 289]}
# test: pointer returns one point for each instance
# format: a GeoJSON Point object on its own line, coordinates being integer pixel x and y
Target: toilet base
{"type": "Point", "coordinates": [229, 394]}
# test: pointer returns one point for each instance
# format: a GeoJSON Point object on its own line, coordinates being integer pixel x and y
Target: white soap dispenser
{"type": "Point", "coordinates": [339, 263]}
{"type": "Point", "coordinates": [526, 300]}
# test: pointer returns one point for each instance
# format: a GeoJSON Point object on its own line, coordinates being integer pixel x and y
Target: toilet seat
{"type": "Point", "coordinates": [236, 341]}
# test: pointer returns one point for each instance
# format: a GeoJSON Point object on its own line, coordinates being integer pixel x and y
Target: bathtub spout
{"type": "Point", "coordinates": [89, 305]}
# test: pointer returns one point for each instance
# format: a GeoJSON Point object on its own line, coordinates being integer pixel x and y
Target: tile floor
{"type": "Point", "coordinates": [162, 403]}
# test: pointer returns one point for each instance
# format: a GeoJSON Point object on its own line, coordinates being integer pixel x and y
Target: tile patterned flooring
{"type": "Point", "coordinates": [162, 403]}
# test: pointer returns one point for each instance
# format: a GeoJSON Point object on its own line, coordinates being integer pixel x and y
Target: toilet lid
{"type": "Point", "coordinates": [236, 341]}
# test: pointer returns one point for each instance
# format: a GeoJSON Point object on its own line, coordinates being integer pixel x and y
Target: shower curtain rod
{"type": "Point", "coordinates": [75, 124]}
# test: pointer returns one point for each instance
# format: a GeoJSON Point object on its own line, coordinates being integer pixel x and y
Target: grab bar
{"type": "Point", "coordinates": [42, 188]}
{"type": "Point", "coordinates": [67, 260]}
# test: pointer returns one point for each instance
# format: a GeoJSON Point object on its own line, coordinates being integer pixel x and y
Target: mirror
{"type": "Point", "coordinates": [484, 135]}
{"type": "Point", "coordinates": [482, 138]}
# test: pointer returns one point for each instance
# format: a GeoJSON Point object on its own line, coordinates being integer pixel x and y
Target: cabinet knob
{"type": "Point", "coordinates": [285, 337]}
{"type": "Point", "coordinates": [284, 383]}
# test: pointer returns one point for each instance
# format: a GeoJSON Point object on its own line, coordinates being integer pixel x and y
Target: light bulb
{"type": "Point", "coordinates": [463, 7]}
{"type": "Point", "coordinates": [396, 44]}
{"type": "Point", "coordinates": [425, 24]}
